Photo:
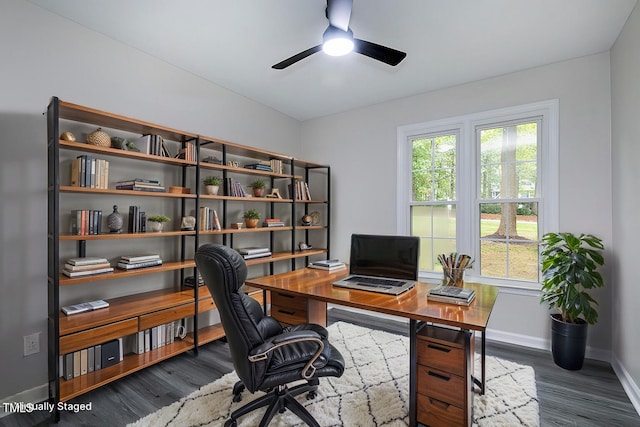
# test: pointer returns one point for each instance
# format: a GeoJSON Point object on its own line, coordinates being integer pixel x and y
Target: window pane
{"type": "Point", "coordinates": [508, 161]}
{"type": "Point", "coordinates": [436, 227]}
{"type": "Point", "coordinates": [509, 240]}
{"type": "Point", "coordinates": [433, 168]}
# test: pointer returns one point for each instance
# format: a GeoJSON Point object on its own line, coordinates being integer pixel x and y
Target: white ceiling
{"type": "Point", "coordinates": [448, 42]}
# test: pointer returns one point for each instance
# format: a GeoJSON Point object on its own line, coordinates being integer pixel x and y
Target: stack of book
{"type": "Point", "coordinates": [137, 220]}
{"type": "Point", "coordinates": [131, 262]}
{"type": "Point", "coordinates": [452, 295]}
{"type": "Point", "coordinates": [260, 166]}
{"type": "Point", "coordinates": [300, 191]}
{"type": "Point", "coordinates": [208, 219]}
{"type": "Point", "coordinates": [139, 184]}
{"type": "Point", "coordinates": [191, 281]}
{"type": "Point", "coordinates": [152, 144]}
{"type": "Point", "coordinates": [85, 221]}
{"type": "Point", "coordinates": [276, 165]}
{"type": "Point", "coordinates": [328, 264]}
{"type": "Point", "coordinates": [273, 222]}
{"type": "Point", "coordinates": [86, 266]}
{"type": "Point", "coordinates": [85, 306]}
{"type": "Point", "coordinates": [250, 253]}
{"type": "Point", "coordinates": [233, 188]}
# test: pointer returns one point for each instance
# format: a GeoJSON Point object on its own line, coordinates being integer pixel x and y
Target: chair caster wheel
{"type": "Point", "coordinates": [237, 397]}
{"type": "Point", "coordinates": [230, 423]}
{"type": "Point", "coordinates": [311, 395]}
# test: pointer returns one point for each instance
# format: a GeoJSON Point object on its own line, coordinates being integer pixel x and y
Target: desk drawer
{"type": "Point", "coordinates": [94, 336]}
{"type": "Point", "coordinates": [442, 385]}
{"type": "Point", "coordinates": [288, 315]}
{"type": "Point", "coordinates": [435, 413]}
{"type": "Point", "coordinates": [441, 356]}
{"type": "Point", "coordinates": [289, 301]}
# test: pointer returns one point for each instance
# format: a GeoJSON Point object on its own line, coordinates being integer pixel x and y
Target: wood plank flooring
{"type": "Point", "coordinates": [591, 397]}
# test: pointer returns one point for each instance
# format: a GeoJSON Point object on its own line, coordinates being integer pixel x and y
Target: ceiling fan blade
{"type": "Point", "coordinates": [381, 53]}
{"type": "Point", "coordinates": [297, 57]}
{"type": "Point", "coordinates": [339, 13]}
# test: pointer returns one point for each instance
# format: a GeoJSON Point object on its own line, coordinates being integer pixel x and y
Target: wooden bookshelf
{"type": "Point", "coordinates": [137, 310]}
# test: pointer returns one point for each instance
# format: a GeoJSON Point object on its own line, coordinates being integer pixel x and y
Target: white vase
{"type": "Point", "coordinates": [212, 189]}
{"type": "Point", "coordinates": [157, 226]}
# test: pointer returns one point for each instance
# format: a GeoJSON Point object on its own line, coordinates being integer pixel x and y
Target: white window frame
{"type": "Point", "coordinates": [467, 186]}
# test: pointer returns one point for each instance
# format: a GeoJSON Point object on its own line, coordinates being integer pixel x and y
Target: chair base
{"type": "Point", "coordinates": [278, 400]}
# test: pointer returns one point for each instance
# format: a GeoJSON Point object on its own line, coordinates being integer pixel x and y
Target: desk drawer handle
{"type": "Point", "coordinates": [439, 376]}
{"type": "Point", "coordinates": [290, 313]}
{"type": "Point", "coordinates": [440, 403]}
{"type": "Point", "coordinates": [436, 347]}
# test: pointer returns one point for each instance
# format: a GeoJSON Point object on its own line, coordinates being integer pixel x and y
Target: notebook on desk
{"type": "Point", "coordinates": [385, 264]}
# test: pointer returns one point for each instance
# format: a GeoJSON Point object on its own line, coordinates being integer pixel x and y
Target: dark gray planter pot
{"type": "Point", "coordinates": [568, 343]}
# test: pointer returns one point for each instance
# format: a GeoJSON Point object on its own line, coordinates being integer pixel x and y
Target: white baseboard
{"type": "Point", "coordinates": [34, 395]}
{"type": "Point", "coordinates": [630, 387]}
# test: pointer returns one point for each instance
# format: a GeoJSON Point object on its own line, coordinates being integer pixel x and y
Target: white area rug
{"type": "Point", "coordinates": [373, 391]}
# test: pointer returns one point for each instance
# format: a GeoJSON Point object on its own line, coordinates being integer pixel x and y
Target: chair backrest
{"type": "Point", "coordinates": [224, 272]}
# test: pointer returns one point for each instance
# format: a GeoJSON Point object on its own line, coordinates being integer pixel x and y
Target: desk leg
{"type": "Point", "coordinates": [413, 364]}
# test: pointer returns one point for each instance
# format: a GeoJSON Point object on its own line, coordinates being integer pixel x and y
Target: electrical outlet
{"type": "Point", "coordinates": [32, 344]}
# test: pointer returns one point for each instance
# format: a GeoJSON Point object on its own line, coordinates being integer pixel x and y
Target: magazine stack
{"type": "Point", "coordinates": [86, 266]}
{"type": "Point", "coordinates": [251, 253]}
{"type": "Point", "coordinates": [132, 262]}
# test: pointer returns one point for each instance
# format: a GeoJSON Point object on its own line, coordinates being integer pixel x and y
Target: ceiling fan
{"type": "Point", "coordinates": [338, 39]}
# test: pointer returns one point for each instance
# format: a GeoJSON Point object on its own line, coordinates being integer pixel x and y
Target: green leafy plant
{"type": "Point", "coordinates": [251, 214]}
{"type": "Point", "coordinates": [258, 183]}
{"type": "Point", "coordinates": [212, 180]}
{"type": "Point", "coordinates": [158, 218]}
{"type": "Point", "coordinates": [569, 269]}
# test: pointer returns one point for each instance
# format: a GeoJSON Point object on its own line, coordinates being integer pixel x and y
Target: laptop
{"type": "Point", "coordinates": [380, 263]}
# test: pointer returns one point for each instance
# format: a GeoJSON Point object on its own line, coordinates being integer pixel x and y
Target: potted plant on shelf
{"type": "Point", "coordinates": [258, 188]}
{"type": "Point", "coordinates": [569, 269]}
{"type": "Point", "coordinates": [157, 221]}
{"type": "Point", "coordinates": [251, 218]}
{"type": "Point", "coordinates": [212, 184]}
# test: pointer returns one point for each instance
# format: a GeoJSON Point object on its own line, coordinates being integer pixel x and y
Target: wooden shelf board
{"type": "Point", "coordinates": [244, 199]}
{"type": "Point", "coordinates": [246, 230]}
{"type": "Point", "coordinates": [73, 189]}
{"type": "Point", "coordinates": [122, 308]}
{"type": "Point", "coordinates": [311, 227]}
{"type": "Point", "coordinates": [109, 236]}
{"type": "Point", "coordinates": [81, 113]}
{"type": "Point", "coordinates": [209, 334]}
{"type": "Point", "coordinates": [233, 169]}
{"type": "Point", "coordinates": [117, 152]}
{"type": "Point", "coordinates": [131, 363]}
{"type": "Point", "coordinates": [118, 274]}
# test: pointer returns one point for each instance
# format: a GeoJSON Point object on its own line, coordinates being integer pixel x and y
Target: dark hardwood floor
{"type": "Point", "coordinates": [592, 396]}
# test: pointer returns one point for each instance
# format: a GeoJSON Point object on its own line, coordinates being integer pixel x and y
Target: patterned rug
{"type": "Point", "coordinates": [373, 391]}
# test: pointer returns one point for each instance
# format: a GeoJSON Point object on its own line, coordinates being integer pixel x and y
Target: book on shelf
{"type": "Point", "coordinates": [137, 222]}
{"type": "Point", "coordinates": [85, 222]}
{"type": "Point", "coordinates": [87, 171]}
{"type": "Point", "coordinates": [88, 260]}
{"type": "Point", "coordinates": [252, 250]}
{"type": "Point", "coordinates": [85, 306]}
{"type": "Point", "coordinates": [191, 281]}
{"type": "Point", "coordinates": [258, 255]}
{"type": "Point", "coordinates": [139, 258]}
{"type": "Point", "coordinates": [70, 267]}
{"type": "Point", "coordinates": [452, 295]}
{"type": "Point", "coordinates": [273, 224]}
{"type": "Point", "coordinates": [87, 272]}
{"type": "Point", "coordinates": [139, 264]}
{"type": "Point", "coordinates": [208, 219]}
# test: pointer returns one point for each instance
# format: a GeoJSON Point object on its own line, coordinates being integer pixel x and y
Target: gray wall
{"type": "Point", "coordinates": [43, 56]}
{"type": "Point", "coordinates": [625, 95]}
{"type": "Point", "coordinates": [369, 135]}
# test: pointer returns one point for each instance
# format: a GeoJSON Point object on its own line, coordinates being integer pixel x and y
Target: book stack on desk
{"type": "Point", "coordinates": [328, 264]}
{"type": "Point", "coordinates": [251, 253]}
{"type": "Point", "coordinates": [451, 295]}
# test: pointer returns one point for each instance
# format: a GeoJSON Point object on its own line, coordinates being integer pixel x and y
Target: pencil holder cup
{"type": "Point", "coordinates": [454, 276]}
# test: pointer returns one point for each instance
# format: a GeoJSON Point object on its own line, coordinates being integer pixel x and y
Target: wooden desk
{"type": "Point", "coordinates": [316, 286]}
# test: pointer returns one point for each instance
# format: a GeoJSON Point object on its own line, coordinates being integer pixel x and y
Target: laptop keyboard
{"type": "Point", "coordinates": [375, 281]}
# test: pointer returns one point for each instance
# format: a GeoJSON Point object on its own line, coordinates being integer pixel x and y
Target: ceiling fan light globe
{"type": "Point", "coordinates": [337, 46]}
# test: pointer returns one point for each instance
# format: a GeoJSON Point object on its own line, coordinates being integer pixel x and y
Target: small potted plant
{"type": "Point", "coordinates": [212, 184]}
{"type": "Point", "coordinates": [258, 188]}
{"type": "Point", "coordinates": [569, 270]}
{"type": "Point", "coordinates": [157, 221]}
{"type": "Point", "coordinates": [251, 218]}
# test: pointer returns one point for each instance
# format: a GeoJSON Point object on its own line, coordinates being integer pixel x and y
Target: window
{"type": "Point", "coordinates": [485, 185]}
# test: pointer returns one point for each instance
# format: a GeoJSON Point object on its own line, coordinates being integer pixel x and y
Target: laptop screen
{"type": "Point", "coordinates": [394, 257]}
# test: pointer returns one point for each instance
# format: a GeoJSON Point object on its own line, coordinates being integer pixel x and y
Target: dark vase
{"type": "Point", "coordinates": [114, 221]}
{"type": "Point", "coordinates": [568, 342]}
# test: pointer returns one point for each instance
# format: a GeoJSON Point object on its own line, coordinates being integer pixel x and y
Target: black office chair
{"type": "Point", "coordinates": [266, 356]}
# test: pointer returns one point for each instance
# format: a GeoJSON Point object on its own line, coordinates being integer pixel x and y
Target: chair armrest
{"type": "Point", "coordinates": [288, 338]}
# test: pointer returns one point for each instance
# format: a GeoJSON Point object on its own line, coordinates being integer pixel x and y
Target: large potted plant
{"type": "Point", "coordinates": [569, 271]}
